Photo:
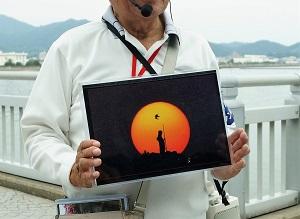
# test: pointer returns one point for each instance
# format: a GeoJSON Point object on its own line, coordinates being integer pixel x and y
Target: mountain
{"type": "Point", "coordinates": [18, 36]}
{"type": "Point", "coordinates": [295, 49]}
{"type": "Point", "coordinates": [12, 26]}
{"type": "Point", "coordinates": [262, 47]}
{"type": "Point", "coordinates": [225, 49]}
{"type": "Point", "coordinates": [41, 38]}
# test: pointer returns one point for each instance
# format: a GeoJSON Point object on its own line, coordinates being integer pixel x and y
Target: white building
{"type": "Point", "coordinates": [291, 60]}
{"type": "Point", "coordinates": [224, 59]}
{"type": "Point", "coordinates": [14, 57]}
{"type": "Point", "coordinates": [42, 56]}
{"type": "Point", "coordinates": [255, 59]}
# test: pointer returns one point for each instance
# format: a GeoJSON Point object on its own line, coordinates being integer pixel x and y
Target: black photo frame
{"type": "Point", "coordinates": [187, 108]}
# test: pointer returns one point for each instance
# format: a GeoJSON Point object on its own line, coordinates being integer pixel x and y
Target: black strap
{"type": "Point", "coordinates": [222, 191]}
{"type": "Point", "coordinates": [132, 48]}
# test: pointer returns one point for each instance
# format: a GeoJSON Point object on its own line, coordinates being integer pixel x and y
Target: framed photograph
{"type": "Point", "coordinates": [157, 126]}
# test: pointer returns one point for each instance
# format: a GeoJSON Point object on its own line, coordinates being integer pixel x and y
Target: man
{"type": "Point", "coordinates": [161, 141]}
{"type": "Point", "coordinates": [52, 123]}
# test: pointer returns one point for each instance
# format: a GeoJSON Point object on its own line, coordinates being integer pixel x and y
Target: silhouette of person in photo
{"type": "Point", "coordinates": [162, 142]}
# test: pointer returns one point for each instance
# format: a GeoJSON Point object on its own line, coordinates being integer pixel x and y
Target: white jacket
{"type": "Point", "coordinates": [52, 122]}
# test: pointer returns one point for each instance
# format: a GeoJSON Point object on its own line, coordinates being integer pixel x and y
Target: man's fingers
{"type": "Point", "coordinates": [238, 166]}
{"type": "Point", "coordinates": [96, 174]}
{"type": "Point", "coordinates": [234, 136]}
{"type": "Point", "coordinates": [89, 152]}
{"type": "Point", "coordinates": [89, 177]}
{"type": "Point", "coordinates": [240, 142]}
{"type": "Point", "coordinates": [85, 164]}
{"type": "Point", "coordinates": [83, 174]}
{"type": "Point", "coordinates": [241, 153]}
{"type": "Point", "coordinates": [88, 143]}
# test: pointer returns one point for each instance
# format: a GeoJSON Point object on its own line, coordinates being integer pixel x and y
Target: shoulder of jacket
{"type": "Point", "coordinates": [80, 34]}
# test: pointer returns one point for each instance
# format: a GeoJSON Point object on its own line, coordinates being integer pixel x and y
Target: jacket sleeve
{"type": "Point", "coordinates": [45, 121]}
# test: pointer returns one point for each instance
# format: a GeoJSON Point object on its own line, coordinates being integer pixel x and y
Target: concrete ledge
{"type": "Point", "coordinates": [271, 204]}
{"type": "Point", "coordinates": [53, 192]}
{"type": "Point", "coordinates": [288, 213]}
{"type": "Point", "coordinates": [33, 187]}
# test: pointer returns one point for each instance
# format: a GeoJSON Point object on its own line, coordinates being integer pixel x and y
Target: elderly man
{"type": "Point", "coordinates": [52, 123]}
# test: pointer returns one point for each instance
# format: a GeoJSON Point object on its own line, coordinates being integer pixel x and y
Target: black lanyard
{"type": "Point", "coordinates": [221, 191]}
{"type": "Point", "coordinates": [132, 48]}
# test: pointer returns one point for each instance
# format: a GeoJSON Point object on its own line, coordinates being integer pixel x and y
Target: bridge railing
{"type": "Point", "coordinates": [274, 138]}
{"type": "Point", "coordinates": [269, 182]}
{"type": "Point", "coordinates": [13, 158]}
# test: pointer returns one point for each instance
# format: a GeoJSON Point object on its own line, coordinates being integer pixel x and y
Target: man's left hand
{"type": "Point", "coordinates": [239, 149]}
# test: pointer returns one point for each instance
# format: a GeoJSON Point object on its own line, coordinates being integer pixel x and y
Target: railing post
{"type": "Point", "coordinates": [238, 185]}
{"type": "Point", "coordinates": [293, 145]}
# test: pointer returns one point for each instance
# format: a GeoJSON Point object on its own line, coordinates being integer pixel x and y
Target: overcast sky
{"type": "Point", "coordinates": [217, 20]}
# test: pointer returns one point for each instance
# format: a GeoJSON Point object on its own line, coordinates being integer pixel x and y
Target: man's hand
{"type": "Point", "coordinates": [82, 173]}
{"type": "Point", "coordinates": [239, 149]}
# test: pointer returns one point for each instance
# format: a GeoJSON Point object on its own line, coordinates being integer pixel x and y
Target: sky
{"type": "Point", "coordinates": [217, 20]}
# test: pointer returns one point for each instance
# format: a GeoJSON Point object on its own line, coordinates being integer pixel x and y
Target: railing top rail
{"type": "Point", "coordinates": [260, 80]}
{"type": "Point", "coordinates": [18, 75]}
{"type": "Point", "coordinates": [226, 80]}
{"type": "Point", "coordinates": [273, 113]}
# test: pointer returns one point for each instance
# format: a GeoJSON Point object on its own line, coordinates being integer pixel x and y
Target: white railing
{"type": "Point", "coordinates": [13, 158]}
{"type": "Point", "coordinates": [264, 185]}
{"type": "Point", "coordinates": [267, 126]}
{"type": "Point", "coordinates": [18, 75]}
{"type": "Point", "coordinates": [272, 129]}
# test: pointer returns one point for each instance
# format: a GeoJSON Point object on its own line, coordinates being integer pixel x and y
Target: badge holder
{"type": "Point", "coordinates": [104, 206]}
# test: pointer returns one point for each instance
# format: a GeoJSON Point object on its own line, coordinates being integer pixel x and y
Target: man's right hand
{"type": "Point", "coordinates": [82, 173]}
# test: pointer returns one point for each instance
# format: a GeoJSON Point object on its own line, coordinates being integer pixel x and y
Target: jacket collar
{"type": "Point", "coordinates": [169, 24]}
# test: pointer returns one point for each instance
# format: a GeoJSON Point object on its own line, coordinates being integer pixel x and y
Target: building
{"type": "Point", "coordinates": [292, 60]}
{"type": "Point", "coordinates": [14, 57]}
{"type": "Point", "coordinates": [42, 56]}
{"type": "Point", "coordinates": [254, 59]}
{"type": "Point", "coordinates": [224, 60]}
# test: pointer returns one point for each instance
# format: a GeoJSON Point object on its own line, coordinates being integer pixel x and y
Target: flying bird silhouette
{"type": "Point", "coordinates": [156, 116]}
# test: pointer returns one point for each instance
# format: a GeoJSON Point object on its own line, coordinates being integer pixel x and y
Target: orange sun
{"type": "Point", "coordinates": [161, 117]}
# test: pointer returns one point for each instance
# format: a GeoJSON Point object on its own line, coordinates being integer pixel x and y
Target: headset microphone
{"type": "Point", "coordinates": [146, 9]}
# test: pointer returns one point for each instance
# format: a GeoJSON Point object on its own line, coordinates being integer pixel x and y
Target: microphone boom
{"type": "Point", "coordinates": [146, 9]}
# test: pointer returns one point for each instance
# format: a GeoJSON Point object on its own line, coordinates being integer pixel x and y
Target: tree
{"type": "Point", "coordinates": [19, 64]}
{"type": "Point", "coordinates": [33, 63]}
{"type": "Point", "coordinates": [9, 63]}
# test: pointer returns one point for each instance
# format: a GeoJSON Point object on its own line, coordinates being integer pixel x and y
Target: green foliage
{"type": "Point", "coordinates": [33, 63]}
{"type": "Point", "coordinates": [19, 64]}
{"type": "Point", "coordinates": [9, 63]}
